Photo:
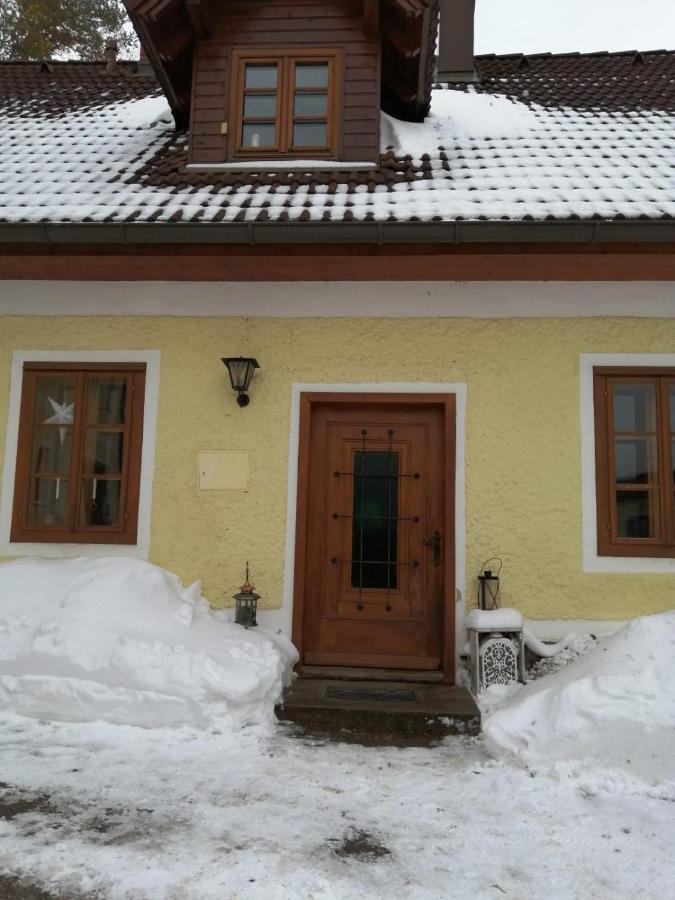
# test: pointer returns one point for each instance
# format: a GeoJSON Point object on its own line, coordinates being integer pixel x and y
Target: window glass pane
{"type": "Point", "coordinates": [48, 501]}
{"type": "Point", "coordinates": [310, 104]}
{"type": "Point", "coordinates": [311, 75]}
{"type": "Point", "coordinates": [309, 134]}
{"type": "Point", "coordinates": [106, 400]}
{"type": "Point", "coordinates": [636, 460]}
{"type": "Point", "coordinates": [260, 106]}
{"type": "Point", "coordinates": [55, 401]}
{"type": "Point", "coordinates": [51, 450]}
{"type": "Point", "coordinates": [100, 502]}
{"type": "Point", "coordinates": [634, 407]}
{"type": "Point", "coordinates": [374, 523]}
{"type": "Point", "coordinates": [103, 452]}
{"type": "Point", "coordinates": [637, 514]}
{"type": "Point", "coordinates": [259, 135]}
{"type": "Point", "coordinates": [263, 76]}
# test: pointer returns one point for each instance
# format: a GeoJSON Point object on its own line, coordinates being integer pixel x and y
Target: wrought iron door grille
{"type": "Point", "coordinates": [374, 561]}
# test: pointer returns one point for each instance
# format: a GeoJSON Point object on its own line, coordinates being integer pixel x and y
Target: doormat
{"type": "Point", "coordinates": [388, 696]}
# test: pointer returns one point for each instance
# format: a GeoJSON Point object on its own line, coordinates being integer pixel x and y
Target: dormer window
{"type": "Point", "coordinates": [285, 104]}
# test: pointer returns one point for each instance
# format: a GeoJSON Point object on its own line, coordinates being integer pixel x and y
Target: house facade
{"type": "Point", "coordinates": [455, 278]}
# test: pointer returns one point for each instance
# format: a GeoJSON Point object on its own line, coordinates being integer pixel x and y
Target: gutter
{"type": "Point", "coordinates": [366, 233]}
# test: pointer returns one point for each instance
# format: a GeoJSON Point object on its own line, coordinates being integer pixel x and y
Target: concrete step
{"type": "Point", "coordinates": [398, 713]}
{"type": "Point", "coordinates": [347, 673]}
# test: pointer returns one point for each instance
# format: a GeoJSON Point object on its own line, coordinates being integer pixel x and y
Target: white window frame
{"type": "Point", "coordinates": [591, 561]}
{"type": "Point", "coordinates": [139, 550]}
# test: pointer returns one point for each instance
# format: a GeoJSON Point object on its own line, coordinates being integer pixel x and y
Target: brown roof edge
{"type": "Point", "coordinates": [464, 232]}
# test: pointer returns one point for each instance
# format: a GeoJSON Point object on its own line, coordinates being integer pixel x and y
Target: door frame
{"type": "Point", "coordinates": [308, 401]}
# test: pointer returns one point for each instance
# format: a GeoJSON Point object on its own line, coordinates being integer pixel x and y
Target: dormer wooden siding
{"type": "Point", "coordinates": [337, 27]}
{"type": "Point", "coordinates": [386, 49]}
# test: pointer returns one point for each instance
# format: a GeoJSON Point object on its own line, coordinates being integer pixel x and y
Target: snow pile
{"type": "Point", "coordinates": [576, 645]}
{"type": "Point", "coordinates": [123, 641]}
{"type": "Point", "coordinates": [455, 115]}
{"type": "Point", "coordinates": [504, 617]}
{"type": "Point", "coordinates": [612, 709]}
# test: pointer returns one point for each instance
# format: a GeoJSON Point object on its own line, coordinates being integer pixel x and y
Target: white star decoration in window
{"type": "Point", "coordinates": [64, 414]}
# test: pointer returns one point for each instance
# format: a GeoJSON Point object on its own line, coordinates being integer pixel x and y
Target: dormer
{"type": "Point", "coordinates": [271, 82]}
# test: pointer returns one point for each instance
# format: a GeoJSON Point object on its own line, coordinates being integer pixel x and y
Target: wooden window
{"type": "Point", "coordinates": [285, 104]}
{"type": "Point", "coordinates": [79, 453]}
{"type": "Point", "coordinates": [635, 461]}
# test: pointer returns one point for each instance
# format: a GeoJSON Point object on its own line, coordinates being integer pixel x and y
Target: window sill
{"type": "Point", "coordinates": [282, 165]}
{"type": "Point", "coordinates": [68, 551]}
{"type": "Point", "coordinates": [637, 565]}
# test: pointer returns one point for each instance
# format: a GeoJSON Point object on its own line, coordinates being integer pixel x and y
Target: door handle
{"type": "Point", "coordinates": [435, 543]}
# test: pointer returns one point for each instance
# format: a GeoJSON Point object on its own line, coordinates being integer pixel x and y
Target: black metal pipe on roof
{"type": "Point", "coordinates": [462, 232]}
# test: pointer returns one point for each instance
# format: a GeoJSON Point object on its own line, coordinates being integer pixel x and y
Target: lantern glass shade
{"type": "Point", "coordinates": [241, 369]}
{"type": "Point", "coordinates": [246, 607]}
{"type": "Point", "coordinates": [489, 590]}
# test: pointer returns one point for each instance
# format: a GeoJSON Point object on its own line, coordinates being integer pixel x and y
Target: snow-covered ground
{"type": "Point", "coordinates": [120, 812]}
{"type": "Point", "coordinates": [224, 804]}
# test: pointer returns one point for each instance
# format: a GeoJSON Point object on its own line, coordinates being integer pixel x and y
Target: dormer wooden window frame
{"type": "Point", "coordinates": [286, 60]}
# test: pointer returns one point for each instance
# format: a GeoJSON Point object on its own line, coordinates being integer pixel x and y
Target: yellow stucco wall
{"type": "Point", "coordinates": [523, 477]}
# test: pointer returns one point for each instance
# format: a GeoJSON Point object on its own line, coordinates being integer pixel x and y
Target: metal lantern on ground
{"type": "Point", "coordinates": [246, 604]}
{"type": "Point", "coordinates": [488, 585]}
{"type": "Point", "coordinates": [241, 369]}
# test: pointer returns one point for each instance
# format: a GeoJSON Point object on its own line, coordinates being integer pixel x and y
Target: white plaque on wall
{"type": "Point", "coordinates": [223, 470]}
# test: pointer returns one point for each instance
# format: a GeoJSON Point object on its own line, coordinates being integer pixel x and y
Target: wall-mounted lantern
{"type": "Point", "coordinates": [246, 604]}
{"type": "Point", "coordinates": [241, 369]}
{"type": "Point", "coordinates": [488, 585]}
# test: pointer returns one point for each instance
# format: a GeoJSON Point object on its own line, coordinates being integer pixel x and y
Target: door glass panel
{"type": "Point", "coordinates": [260, 106]}
{"type": "Point", "coordinates": [637, 514]}
{"type": "Point", "coordinates": [103, 452]}
{"type": "Point", "coordinates": [309, 134]}
{"type": "Point", "coordinates": [634, 407]}
{"type": "Point", "coordinates": [310, 104]}
{"type": "Point", "coordinates": [264, 76]}
{"type": "Point", "coordinates": [51, 450]}
{"type": "Point", "coordinates": [48, 501]}
{"type": "Point", "coordinates": [374, 523]}
{"type": "Point", "coordinates": [99, 502]}
{"type": "Point", "coordinates": [311, 75]}
{"type": "Point", "coordinates": [106, 401]}
{"type": "Point", "coordinates": [637, 460]}
{"type": "Point", "coordinates": [259, 135]}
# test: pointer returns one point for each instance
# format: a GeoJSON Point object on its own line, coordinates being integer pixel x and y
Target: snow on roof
{"type": "Point", "coordinates": [556, 138]}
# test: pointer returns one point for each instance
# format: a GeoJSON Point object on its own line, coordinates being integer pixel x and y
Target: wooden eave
{"type": "Point", "coordinates": [339, 262]}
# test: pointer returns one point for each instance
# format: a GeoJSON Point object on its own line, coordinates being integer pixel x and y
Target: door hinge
{"type": "Point", "coordinates": [606, 394]}
{"type": "Point", "coordinates": [609, 526]}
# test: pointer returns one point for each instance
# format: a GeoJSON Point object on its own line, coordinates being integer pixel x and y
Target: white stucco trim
{"type": "Point", "coordinates": [557, 629]}
{"type": "Point", "coordinates": [590, 559]}
{"type": "Point", "coordinates": [141, 549]}
{"type": "Point", "coordinates": [326, 299]}
{"type": "Point", "coordinates": [282, 618]}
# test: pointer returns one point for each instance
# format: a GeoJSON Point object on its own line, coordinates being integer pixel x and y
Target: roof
{"type": "Point", "coordinates": [539, 138]}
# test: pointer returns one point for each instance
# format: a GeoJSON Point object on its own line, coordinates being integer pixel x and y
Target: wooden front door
{"type": "Point", "coordinates": [375, 545]}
